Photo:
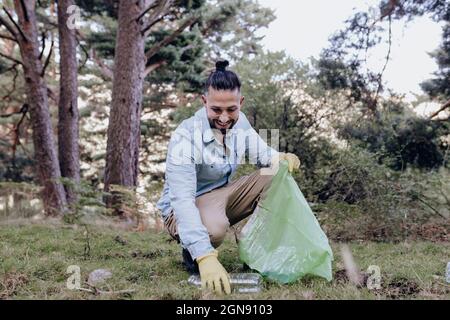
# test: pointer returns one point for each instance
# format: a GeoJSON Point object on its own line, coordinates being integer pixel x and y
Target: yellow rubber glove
{"type": "Point", "coordinates": [292, 159]}
{"type": "Point", "coordinates": [213, 274]}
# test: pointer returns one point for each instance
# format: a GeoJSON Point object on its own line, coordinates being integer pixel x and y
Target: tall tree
{"type": "Point", "coordinates": [25, 33]}
{"type": "Point", "coordinates": [130, 60]}
{"type": "Point", "coordinates": [122, 152]}
{"type": "Point", "coordinates": [69, 158]}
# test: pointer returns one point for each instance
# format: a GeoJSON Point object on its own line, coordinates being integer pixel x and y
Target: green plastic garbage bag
{"type": "Point", "coordinates": [282, 239]}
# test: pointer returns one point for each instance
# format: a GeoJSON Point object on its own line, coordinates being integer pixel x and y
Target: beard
{"type": "Point", "coordinates": [212, 123]}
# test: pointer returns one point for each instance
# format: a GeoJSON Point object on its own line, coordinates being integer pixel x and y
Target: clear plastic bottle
{"type": "Point", "coordinates": [240, 282]}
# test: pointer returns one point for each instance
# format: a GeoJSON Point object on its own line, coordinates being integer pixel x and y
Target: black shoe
{"type": "Point", "coordinates": [190, 265]}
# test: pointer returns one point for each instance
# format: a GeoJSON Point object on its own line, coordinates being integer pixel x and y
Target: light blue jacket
{"type": "Point", "coordinates": [197, 162]}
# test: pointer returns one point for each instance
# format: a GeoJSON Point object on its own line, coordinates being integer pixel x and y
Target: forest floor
{"type": "Point", "coordinates": [35, 257]}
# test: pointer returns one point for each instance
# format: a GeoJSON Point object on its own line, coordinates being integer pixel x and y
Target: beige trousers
{"type": "Point", "coordinates": [226, 206]}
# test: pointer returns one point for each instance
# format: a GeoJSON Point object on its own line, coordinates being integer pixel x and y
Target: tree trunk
{"type": "Point", "coordinates": [68, 107]}
{"type": "Point", "coordinates": [48, 170]}
{"type": "Point", "coordinates": [122, 155]}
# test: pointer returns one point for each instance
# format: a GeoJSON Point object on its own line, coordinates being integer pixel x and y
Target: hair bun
{"type": "Point", "coordinates": [221, 65]}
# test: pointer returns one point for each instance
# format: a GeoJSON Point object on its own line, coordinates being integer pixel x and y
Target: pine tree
{"type": "Point", "coordinates": [69, 158]}
{"type": "Point", "coordinates": [24, 32]}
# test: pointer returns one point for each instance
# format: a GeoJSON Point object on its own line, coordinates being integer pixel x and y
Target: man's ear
{"type": "Point", "coordinates": [242, 101]}
{"type": "Point", "coordinates": [204, 99]}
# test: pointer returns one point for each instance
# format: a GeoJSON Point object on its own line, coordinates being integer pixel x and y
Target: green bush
{"type": "Point", "coordinates": [400, 141]}
{"type": "Point", "coordinates": [354, 176]}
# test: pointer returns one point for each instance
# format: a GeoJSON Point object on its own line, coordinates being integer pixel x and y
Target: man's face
{"type": "Point", "coordinates": [222, 108]}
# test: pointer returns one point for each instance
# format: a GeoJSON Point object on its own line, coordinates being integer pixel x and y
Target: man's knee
{"type": "Point", "coordinates": [263, 181]}
{"type": "Point", "coordinates": [217, 232]}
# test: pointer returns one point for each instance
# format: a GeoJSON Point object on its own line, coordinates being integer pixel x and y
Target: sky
{"type": "Point", "coordinates": [302, 29]}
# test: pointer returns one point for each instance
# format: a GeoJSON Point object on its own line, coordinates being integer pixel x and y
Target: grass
{"type": "Point", "coordinates": [34, 259]}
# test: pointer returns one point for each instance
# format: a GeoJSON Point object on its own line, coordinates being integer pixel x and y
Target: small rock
{"type": "Point", "coordinates": [98, 275]}
{"type": "Point", "coordinates": [120, 240]}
